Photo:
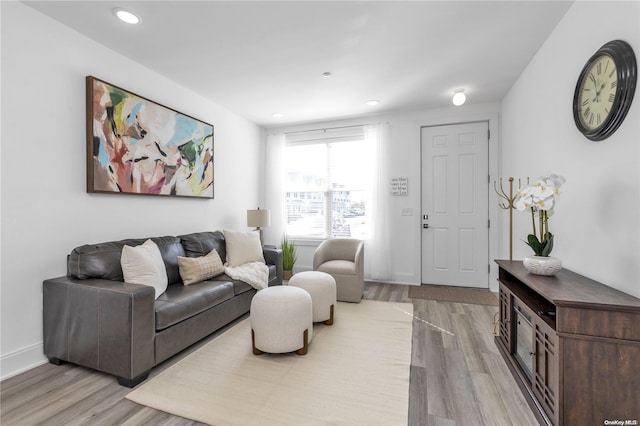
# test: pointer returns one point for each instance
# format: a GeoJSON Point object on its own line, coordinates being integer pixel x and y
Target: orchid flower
{"type": "Point", "coordinates": [540, 198]}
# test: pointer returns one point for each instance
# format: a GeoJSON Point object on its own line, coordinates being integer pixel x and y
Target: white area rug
{"type": "Point", "coordinates": [355, 373]}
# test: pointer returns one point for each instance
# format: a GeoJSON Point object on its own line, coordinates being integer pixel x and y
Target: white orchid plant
{"type": "Point", "coordinates": [540, 198]}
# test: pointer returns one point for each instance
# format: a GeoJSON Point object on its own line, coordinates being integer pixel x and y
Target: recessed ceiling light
{"type": "Point", "coordinates": [373, 102]}
{"type": "Point", "coordinates": [277, 115]}
{"type": "Point", "coordinates": [327, 74]}
{"type": "Point", "coordinates": [126, 16]}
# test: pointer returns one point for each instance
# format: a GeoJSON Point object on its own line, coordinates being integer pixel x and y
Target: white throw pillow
{"type": "Point", "coordinates": [243, 247]}
{"type": "Point", "coordinates": [143, 264]}
{"type": "Point", "coordinates": [196, 269]}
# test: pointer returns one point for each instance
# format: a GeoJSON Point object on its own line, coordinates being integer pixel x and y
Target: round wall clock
{"type": "Point", "coordinates": [605, 90]}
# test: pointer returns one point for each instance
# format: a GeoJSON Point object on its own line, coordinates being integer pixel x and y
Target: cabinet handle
{"type": "Point", "coordinates": [532, 353]}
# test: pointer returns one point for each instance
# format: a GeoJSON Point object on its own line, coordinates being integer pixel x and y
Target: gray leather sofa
{"type": "Point", "coordinates": [94, 319]}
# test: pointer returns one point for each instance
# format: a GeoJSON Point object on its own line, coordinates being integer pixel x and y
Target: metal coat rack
{"type": "Point", "coordinates": [508, 206]}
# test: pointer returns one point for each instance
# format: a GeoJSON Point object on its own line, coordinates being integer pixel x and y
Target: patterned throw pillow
{"type": "Point", "coordinates": [196, 269]}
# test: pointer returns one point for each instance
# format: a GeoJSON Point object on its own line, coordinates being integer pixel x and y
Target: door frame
{"type": "Point", "coordinates": [495, 218]}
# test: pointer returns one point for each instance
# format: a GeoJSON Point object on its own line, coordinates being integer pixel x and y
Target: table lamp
{"type": "Point", "coordinates": [259, 219]}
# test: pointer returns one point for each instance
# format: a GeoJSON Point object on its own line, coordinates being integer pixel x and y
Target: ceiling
{"type": "Point", "coordinates": [257, 58]}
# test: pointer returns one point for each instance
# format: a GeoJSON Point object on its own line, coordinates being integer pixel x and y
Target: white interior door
{"type": "Point", "coordinates": [455, 209]}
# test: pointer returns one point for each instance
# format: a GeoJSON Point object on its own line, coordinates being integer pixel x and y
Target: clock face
{"type": "Point", "coordinates": [604, 91]}
{"type": "Point", "coordinates": [598, 92]}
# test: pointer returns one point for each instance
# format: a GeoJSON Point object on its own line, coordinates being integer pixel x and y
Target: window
{"type": "Point", "coordinates": [328, 183]}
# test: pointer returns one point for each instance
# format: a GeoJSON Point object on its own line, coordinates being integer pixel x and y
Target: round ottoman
{"type": "Point", "coordinates": [281, 320]}
{"type": "Point", "coordinates": [322, 288]}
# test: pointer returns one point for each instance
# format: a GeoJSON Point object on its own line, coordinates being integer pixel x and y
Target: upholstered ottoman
{"type": "Point", "coordinates": [322, 288]}
{"type": "Point", "coordinates": [281, 320]}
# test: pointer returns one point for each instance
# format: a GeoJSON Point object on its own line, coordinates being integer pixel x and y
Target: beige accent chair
{"type": "Point", "coordinates": [343, 259]}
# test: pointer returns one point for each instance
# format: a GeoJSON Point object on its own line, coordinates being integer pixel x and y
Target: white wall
{"type": "Point", "coordinates": [597, 220]}
{"type": "Point", "coordinates": [404, 139]}
{"type": "Point", "coordinates": [45, 209]}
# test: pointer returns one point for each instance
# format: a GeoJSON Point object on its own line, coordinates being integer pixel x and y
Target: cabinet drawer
{"type": "Point", "coordinates": [598, 322]}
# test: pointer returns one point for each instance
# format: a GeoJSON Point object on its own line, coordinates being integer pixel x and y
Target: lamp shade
{"type": "Point", "coordinates": [258, 218]}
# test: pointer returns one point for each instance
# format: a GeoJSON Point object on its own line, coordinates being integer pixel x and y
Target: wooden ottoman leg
{"type": "Point", "coordinates": [330, 320]}
{"type": "Point", "coordinates": [305, 347]}
{"type": "Point", "coordinates": [256, 351]}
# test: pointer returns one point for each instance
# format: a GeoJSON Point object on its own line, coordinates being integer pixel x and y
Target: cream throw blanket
{"type": "Point", "coordinates": [256, 274]}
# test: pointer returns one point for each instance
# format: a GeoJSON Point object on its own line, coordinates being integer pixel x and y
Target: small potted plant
{"type": "Point", "coordinates": [540, 199]}
{"type": "Point", "coordinates": [288, 257]}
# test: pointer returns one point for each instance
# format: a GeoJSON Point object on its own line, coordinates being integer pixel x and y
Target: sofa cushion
{"type": "Point", "coordinates": [200, 243]}
{"type": "Point", "coordinates": [239, 287]}
{"type": "Point", "coordinates": [340, 267]}
{"type": "Point", "coordinates": [170, 249]}
{"type": "Point", "coordinates": [143, 265]}
{"type": "Point", "coordinates": [243, 247]}
{"type": "Point", "coordinates": [195, 269]}
{"type": "Point", "coordinates": [180, 302]}
{"type": "Point", "coordinates": [102, 260]}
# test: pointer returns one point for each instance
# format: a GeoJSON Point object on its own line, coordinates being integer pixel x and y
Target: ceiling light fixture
{"type": "Point", "coordinates": [126, 16]}
{"type": "Point", "coordinates": [373, 102]}
{"type": "Point", "coordinates": [459, 97]}
{"type": "Point", "coordinates": [277, 115]}
{"type": "Point", "coordinates": [327, 74]}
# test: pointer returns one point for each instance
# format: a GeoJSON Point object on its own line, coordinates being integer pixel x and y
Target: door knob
{"type": "Point", "coordinates": [425, 225]}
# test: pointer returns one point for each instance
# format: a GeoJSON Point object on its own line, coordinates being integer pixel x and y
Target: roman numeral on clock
{"type": "Point", "coordinates": [611, 97]}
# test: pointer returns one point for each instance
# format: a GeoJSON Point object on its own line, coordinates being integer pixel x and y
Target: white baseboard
{"type": "Point", "coordinates": [19, 361]}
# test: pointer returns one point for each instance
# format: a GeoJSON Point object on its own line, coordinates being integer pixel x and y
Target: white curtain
{"type": "Point", "coordinates": [377, 251]}
{"type": "Point", "coordinates": [275, 188]}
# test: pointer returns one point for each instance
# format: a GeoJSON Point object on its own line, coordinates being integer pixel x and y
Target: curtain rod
{"type": "Point", "coordinates": [324, 129]}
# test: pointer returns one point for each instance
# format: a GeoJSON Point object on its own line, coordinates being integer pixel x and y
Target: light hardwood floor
{"type": "Point", "coordinates": [457, 378]}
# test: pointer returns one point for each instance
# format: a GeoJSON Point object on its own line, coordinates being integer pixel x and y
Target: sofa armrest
{"type": "Point", "coordinates": [273, 256]}
{"type": "Point", "coordinates": [102, 324]}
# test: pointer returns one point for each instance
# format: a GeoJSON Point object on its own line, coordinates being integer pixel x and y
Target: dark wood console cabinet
{"type": "Point", "coordinates": [572, 344]}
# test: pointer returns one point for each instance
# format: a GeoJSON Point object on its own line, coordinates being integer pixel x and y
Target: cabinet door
{"type": "Point", "coordinates": [506, 309]}
{"type": "Point", "coordinates": [545, 368]}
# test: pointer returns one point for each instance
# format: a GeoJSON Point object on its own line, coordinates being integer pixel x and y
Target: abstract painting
{"type": "Point", "coordinates": [137, 146]}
